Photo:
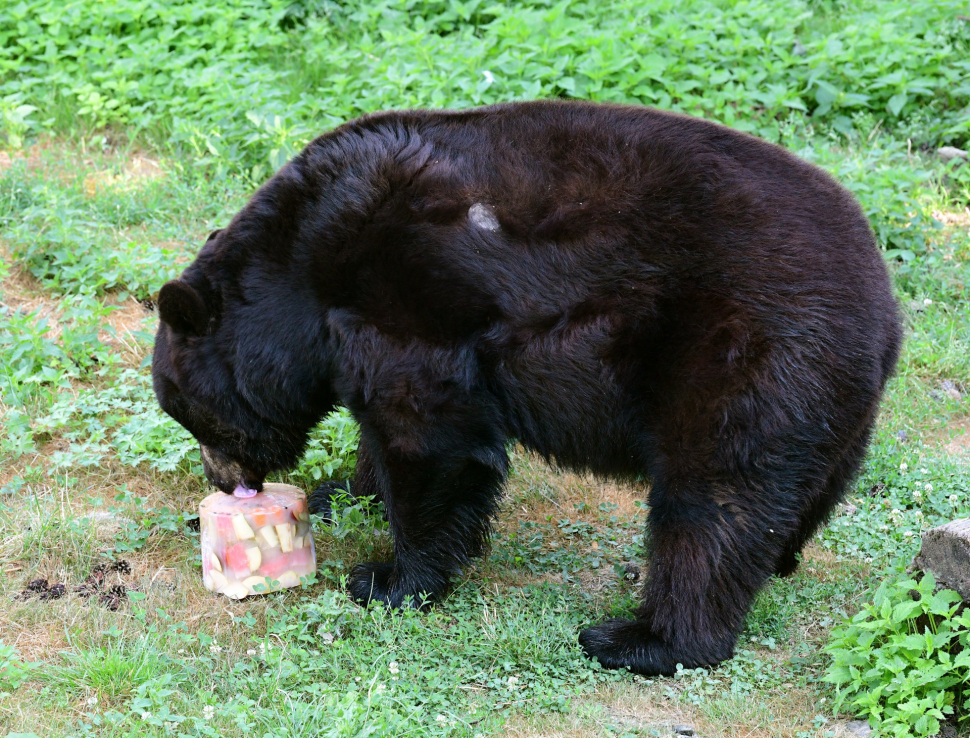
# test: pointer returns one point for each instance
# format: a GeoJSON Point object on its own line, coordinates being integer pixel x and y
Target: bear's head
{"type": "Point", "coordinates": [240, 360]}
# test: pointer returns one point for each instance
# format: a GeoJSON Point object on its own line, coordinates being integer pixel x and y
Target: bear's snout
{"type": "Point", "coordinates": [226, 474]}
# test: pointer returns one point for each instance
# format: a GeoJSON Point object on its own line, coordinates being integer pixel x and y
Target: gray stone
{"type": "Point", "coordinates": [683, 730]}
{"type": "Point", "coordinates": [946, 153]}
{"type": "Point", "coordinates": [946, 553]}
{"type": "Point", "coordinates": [950, 389]}
{"type": "Point", "coordinates": [858, 729]}
{"type": "Point", "coordinates": [631, 572]}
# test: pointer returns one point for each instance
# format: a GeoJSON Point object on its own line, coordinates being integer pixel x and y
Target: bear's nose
{"type": "Point", "coordinates": [221, 471]}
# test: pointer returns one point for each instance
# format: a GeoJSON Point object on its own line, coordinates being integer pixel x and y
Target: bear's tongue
{"type": "Point", "coordinates": [243, 492]}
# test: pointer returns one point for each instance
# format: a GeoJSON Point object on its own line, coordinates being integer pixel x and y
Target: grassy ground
{"type": "Point", "coordinates": [110, 179]}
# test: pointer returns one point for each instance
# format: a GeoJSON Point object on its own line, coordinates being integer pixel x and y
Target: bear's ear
{"type": "Point", "coordinates": [182, 308]}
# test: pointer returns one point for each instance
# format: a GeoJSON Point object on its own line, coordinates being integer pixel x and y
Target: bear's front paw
{"type": "Point", "coordinates": [380, 582]}
{"type": "Point", "coordinates": [632, 644]}
{"type": "Point", "coordinates": [318, 501]}
{"type": "Point", "coordinates": [371, 582]}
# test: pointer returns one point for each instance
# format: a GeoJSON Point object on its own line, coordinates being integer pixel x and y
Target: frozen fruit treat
{"type": "Point", "coordinates": [261, 540]}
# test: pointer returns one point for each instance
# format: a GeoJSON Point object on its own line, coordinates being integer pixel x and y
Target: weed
{"type": "Point", "coordinates": [115, 671]}
{"type": "Point", "coordinates": [248, 85]}
{"type": "Point", "coordinates": [902, 660]}
{"type": "Point", "coordinates": [13, 672]}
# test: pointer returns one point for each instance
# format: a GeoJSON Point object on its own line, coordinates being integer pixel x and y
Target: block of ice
{"type": "Point", "coordinates": [260, 540]}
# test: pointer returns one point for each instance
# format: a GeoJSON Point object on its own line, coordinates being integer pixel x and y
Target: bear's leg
{"type": "Point", "coordinates": [843, 472]}
{"type": "Point", "coordinates": [710, 553]}
{"type": "Point", "coordinates": [439, 507]}
{"type": "Point", "coordinates": [362, 487]}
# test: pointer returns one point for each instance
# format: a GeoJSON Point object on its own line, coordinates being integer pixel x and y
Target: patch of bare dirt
{"type": "Point", "coordinates": [33, 644]}
{"type": "Point", "coordinates": [21, 291]}
{"type": "Point", "coordinates": [33, 158]}
{"type": "Point", "coordinates": [956, 438]}
{"type": "Point", "coordinates": [131, 172]}
{"type": "Point", "coordinates": [537, 490]}
{"type": "Point", "coordinates": [125, 321]}
{"type": "Point", "coordinates": [953, 218]}
{"type": "Point", "coordinates": [110, 166]}
{"type": "Point", "coordinates": [621, 708]}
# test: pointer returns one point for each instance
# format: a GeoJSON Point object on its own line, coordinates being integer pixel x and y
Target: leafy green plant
{"type": "Point", "coordinates": [15, 119]}
{"type": "Point", "coordinates": [137, 522]}
{"type": "Point", "coordinates": [251, 82]}
{"type": "Point", "coordinates": [34, 362]}
{"type": "Point", "coordinates": [70, 253]}
{"type": "Point", "coordinates": [13, 672]}
{"type": "Point", "coordinates": [902, 661]}
{"type": "Point", "coordinates": [331, 451]}
{"type": "Point", "coordinates": [124, 419]}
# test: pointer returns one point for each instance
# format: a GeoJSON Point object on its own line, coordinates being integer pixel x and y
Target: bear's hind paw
{"type": "Point", "coordinates": [632, 644]}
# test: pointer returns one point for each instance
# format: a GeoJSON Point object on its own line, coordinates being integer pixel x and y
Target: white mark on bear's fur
{"type": "Point", "coordinates": [482, 216]}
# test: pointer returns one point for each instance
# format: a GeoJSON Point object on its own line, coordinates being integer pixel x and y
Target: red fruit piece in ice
{"type": "Point", "coordinates": [236, 557]}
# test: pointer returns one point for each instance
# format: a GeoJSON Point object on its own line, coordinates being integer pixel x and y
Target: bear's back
{"type": "Point", "coordinates": [603, 253]}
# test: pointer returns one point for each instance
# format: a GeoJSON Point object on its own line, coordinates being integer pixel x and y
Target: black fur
{"type": "Point", "coordinates": [637, 294]}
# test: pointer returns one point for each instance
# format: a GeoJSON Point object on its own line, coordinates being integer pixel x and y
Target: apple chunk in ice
{"type": "Point", "coordinates": [249, 540]}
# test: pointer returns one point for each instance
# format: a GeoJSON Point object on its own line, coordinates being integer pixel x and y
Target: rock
{"type": "Point", "coordinates": [631, 572]}
{"type": "Point", "coordinates": [902, 435]}
{"type": "Point", "coordinates": [683, 730]}
{"type": "Point", "coordinates": [850, 509]}
{"type": "Point", "coordinates": [947, 153]}
{"type": "Point", "coordinates": [951, 389]}
{"type": "Point", "coordinates": [946, 553]}
{"type": "Point", "coordinates": [858, 729]}
{"type": "Point", "coordinates": [798, 48]}
{"type": "Point", "coordinates": [947, 731]}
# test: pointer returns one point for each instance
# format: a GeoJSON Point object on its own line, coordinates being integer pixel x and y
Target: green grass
{"type": "Point", "coordinates": [144, 126]}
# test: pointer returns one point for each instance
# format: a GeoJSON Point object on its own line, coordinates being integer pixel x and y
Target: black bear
{"type": "Point", "coordinates": [626, 291]}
